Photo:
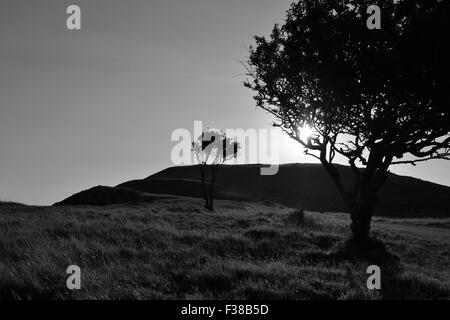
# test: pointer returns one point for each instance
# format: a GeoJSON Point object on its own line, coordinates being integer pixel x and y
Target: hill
{"type": "Point", "coordinates": [305, 185]}
{"type": "Point", "coordinates": [103, 196]}
{"type": "Point", "coordinates": [174, 249]}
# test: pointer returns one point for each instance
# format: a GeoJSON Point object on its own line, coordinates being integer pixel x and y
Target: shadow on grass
{"type": "Point", "coordinates": [395, 284]}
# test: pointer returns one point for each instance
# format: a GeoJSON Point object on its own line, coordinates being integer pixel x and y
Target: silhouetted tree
{"type": "Point", "coordinates": [212, 150]}
{"type": "Point", "coordinates": [374, 97]}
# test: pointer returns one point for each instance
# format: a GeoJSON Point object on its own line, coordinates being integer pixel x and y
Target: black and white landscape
{"type": "Point", "coordinates": [327, 176]}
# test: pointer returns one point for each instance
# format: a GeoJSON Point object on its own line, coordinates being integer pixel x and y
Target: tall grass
{"type": "Point", "coordinates": [172, 249]}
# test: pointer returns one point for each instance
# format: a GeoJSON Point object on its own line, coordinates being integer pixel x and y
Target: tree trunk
{"type": "Point", "coordinates": [211, 189]}
{"type": "Point", "coordinates": [361, 216]}
{"type": "Point", "coordinates": [207, 205]}
{"type": "Point", "coordinates": [210, 205]}
{"type": "Point", "coordinates": [363, 200]}
{"type": "Point", "coordinates": [205, 196]}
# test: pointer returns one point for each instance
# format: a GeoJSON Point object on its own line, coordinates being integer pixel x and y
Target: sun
{"type": "Point", "coordinates": [305, 132]}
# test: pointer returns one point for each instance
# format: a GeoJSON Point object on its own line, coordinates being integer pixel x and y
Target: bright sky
{"type": "Point", "coordinates": [98, 106]}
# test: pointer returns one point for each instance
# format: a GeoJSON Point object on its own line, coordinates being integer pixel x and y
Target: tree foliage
{"type": "Point", "coordinates": [374, 97]}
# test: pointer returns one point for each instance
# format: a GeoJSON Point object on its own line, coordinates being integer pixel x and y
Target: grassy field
{"type": "Point", "coordinates": [173, 249]}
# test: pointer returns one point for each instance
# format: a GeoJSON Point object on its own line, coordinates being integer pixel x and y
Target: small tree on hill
{"type": "Point", "coordinates": [374, 97]}
{"type": "Point", "coordinates": [212, 149]}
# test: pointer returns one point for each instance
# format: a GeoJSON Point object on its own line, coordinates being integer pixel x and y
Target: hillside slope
{"type": "Point", "coordinates": [103, 196]}
{"type": "Point", "coordinates": [306, 185]}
